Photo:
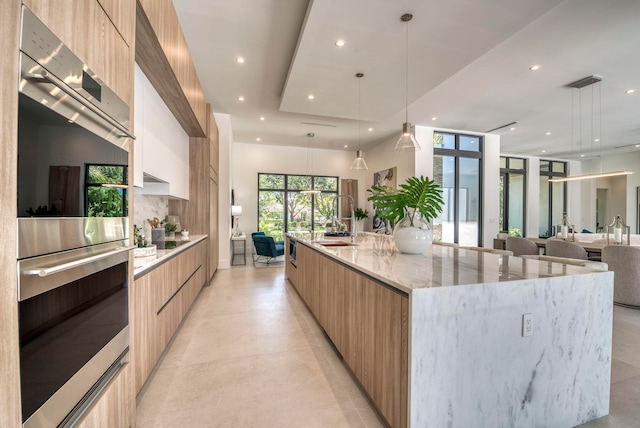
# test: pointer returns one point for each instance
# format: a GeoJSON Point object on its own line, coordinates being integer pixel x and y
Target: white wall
{"type": "Point", "coordinates": [225, 146]}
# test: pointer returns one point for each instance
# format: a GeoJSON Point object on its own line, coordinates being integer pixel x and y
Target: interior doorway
{"type": "Point", "coordinates": [601, 209]}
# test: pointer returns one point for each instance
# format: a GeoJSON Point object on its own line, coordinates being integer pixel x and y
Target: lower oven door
{"type": "Point", "coordinates": [73, 310]}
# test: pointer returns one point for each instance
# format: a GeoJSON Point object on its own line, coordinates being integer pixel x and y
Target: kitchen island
{"type": "Point", "coordinates": [462, 338]}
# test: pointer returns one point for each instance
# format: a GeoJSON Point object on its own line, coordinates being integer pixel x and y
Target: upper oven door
{"type": "Point", "coordinates": [52, 75]}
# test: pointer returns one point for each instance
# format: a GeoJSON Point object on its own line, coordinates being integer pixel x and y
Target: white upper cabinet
{"type": "Point", "coordinates": [161, 150]}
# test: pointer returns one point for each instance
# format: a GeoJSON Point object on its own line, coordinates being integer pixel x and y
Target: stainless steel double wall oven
{"type": "Point", "coordinates": [73, 141]}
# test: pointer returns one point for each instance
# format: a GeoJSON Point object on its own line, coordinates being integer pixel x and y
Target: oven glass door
{"type": "Point", "coordinates": [65, 330]}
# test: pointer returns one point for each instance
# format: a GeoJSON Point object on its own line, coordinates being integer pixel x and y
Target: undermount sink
{"type": "Point", "coordinates": [334, 243]}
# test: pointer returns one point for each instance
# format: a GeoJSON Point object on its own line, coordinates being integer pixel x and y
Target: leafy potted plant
{"type": "Point", "coordinates": [412, 207]}
{"type": "Point", "coordinates": [361, 215]}
{"type": "Point", "coordinates": [170, 230]}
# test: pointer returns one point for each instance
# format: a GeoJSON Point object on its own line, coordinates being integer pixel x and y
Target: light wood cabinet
{"type": "Point", "coordinates": [382, 351]}
{"type": "Point", "coordinates": [114, 407]}
{"type": "Point", "coordinates": [163, 55]}
{"type": "Point", "coordinates": [160, 300]}
{"type": "Point", "coordinates": [10, 411]}
{"type": "Point", "coordinates": [122, 14]}
{"type": "Point", "coordinates": [290, 271]}
{"type": "Point", "coordinates": [88, 31]}
{"type": "Point", "coordinates": [367, 323]}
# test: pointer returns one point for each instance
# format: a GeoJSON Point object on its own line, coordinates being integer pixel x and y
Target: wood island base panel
{"type": "Point", "coordinates": [461, 338]}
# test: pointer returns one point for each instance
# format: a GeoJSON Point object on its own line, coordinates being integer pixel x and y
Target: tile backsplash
{"type": "Point", "coordinates": [149, 206]}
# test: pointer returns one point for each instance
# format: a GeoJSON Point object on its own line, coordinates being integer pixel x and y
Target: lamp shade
{"type": "Point", "coordinates": [407, 142]}
{"type": "Point", "coordinates": [236, 210]}
{"type": "Point", "coordinates": [358, 162]}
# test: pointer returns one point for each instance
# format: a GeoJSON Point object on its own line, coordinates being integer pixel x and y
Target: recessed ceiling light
{"type": "Point", "coordinates": [241, 98]}
{"type": "Point", "coordinates": [547, 133]}
{"type": "Point", "coordinates": [629, 91]}
{"type": "Point", "coordinates": [512, 129]}
{"type": "Point", "coordinates": [258, 139]}
{"type": "Point", "coordinates": [310, 96]}
{"type": "Point", "coordinates": [433, 118]}
{"type": "Point", "coordinates": [596, 140]}
{"type": "Point", "coordinates": [581, 156]}
{"type": "Point", "coordinates": [345, 146]}
{"type": "Point", "coordinates": [370, 129]}
{"type": "Point", "coordinates": [637, 145]}
{"type": "Point", "coordinates": [544, 151]}
{"type": "Point", "coordinates": [240, 60]}
{"type": "Point", "coordinates": [261, 117]}
{"type": "Point", "coordinates": [534, 67]}
{"type": "Point", "coordinates": [340, 43]}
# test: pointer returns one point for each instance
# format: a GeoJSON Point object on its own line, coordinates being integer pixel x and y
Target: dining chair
{"type": "Point", "coordinates": [560, 248]}
{"type": "Point", "coordinates": [624, 261]}
{"type": "Point", "coordinates": [520, 246]}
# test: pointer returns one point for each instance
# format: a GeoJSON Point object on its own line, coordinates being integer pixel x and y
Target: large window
{"type": "Point", "coordinates": [283, 207]}
{"type": "Point", "coordinates": [457, 164]}
{"type": "Point", "coordinates": [106, 190]}
{"type": "Point", "coordinates": [513, 173]}
{"type": "Point", "coordinates": [553, 196]}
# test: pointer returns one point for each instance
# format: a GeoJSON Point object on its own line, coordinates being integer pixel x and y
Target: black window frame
{"type": "Point", "coordinates": [125, 190]}
{"type": "Point", "coordinates": [286, 192]}
{"type": "Point", "coordinates": [457, 153]}
{"type": "Point", "coordinates": [553, 174]}
{"type": "Point", "coordinates": [504, 174]}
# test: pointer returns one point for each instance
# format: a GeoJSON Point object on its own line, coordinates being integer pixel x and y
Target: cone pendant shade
{"type": "Point", "coordinates": [358, 162]}
{"type": "Point", "coordinates": [407, 142]}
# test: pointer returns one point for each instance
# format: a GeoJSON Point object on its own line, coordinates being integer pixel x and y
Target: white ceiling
{"type": "Point", "coordinates": [468, 67]}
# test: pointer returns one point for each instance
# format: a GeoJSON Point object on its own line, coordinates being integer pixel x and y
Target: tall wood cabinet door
{"type": "Point", "coordinates": [213, 228]}
{"type": "Point", "coordinates": [351, 341]}
{"type": "Point", "coordinates": [123, 15]}
{"type": "Point", "coordinates": [145, 347]}
{"type": "Point", "coordinates": [382, 354]}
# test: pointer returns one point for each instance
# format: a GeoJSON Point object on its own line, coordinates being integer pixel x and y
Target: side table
{"type": "Point", "coordinates": [237, 249]}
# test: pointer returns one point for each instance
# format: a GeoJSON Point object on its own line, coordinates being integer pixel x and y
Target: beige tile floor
{"type": "Point", "coordinates": [249, 354]}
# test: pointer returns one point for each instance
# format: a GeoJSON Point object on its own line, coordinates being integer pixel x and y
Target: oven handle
{"type": "Point", "coordinates": [42, 272]}
{"type": "Point", "coordinates": [45, 75]}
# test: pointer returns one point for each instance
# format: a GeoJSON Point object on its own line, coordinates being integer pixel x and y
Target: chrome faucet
{"type": "Point", "coordinates": [353, 214]}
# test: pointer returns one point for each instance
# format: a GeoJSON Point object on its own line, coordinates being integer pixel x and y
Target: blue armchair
{"type": "Point", "coordinates": [266, 248]}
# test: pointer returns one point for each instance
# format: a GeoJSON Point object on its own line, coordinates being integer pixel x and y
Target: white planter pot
{"type": "Point", "coordinates": [414, 239]}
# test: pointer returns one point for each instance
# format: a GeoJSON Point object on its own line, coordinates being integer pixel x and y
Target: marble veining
{"type": "Point", "coordinates": [148, 206]}
{"type": "Point", "coordinates": [471, 366]}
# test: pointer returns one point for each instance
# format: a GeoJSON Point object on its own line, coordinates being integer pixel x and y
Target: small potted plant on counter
{"type": "Point", "coordinates": [412, 207]}
{"type": "Point", "coordinates": [361, 215]}
{"type": "Point", "coordinates": [170, 230]}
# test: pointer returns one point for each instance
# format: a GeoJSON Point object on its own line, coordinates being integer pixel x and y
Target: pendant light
{"type": "Point", "coordinates": [358, 162]}
{"type": "Point", "coordinates": [407, 142]}
{"type": "Point", "coordinates": [579, 84]}
{"type": "Point", "coordinates": [310, 135]}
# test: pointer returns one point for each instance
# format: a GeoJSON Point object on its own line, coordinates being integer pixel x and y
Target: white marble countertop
{"type": "Point", "coordinates": [142, 265]}
{"type": "Point", "coordinates": [440, 266]}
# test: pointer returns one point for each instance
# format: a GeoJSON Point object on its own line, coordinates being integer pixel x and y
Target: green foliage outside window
{"type": "Point", "coordinates": [279, 195]}
{"type": "Point", "coordinates": [104, 201]}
